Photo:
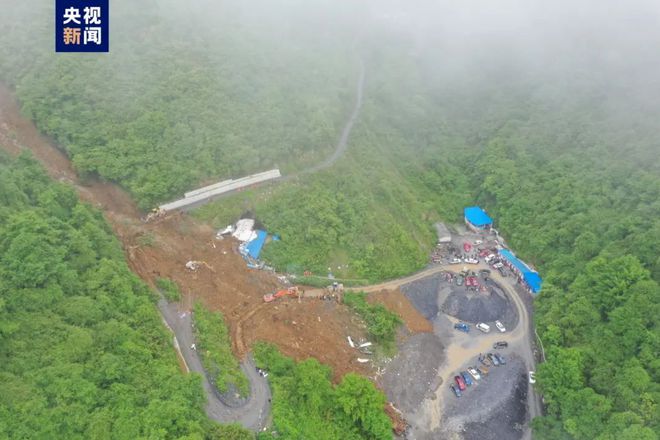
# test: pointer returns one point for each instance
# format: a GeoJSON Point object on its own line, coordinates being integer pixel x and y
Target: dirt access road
{"type": "Point", "coordinates": [392, 284]}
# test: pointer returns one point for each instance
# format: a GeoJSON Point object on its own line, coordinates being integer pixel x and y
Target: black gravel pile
{"type": "Point", "coordinates": [423, 295]}
{"type": "Point", "coordinates": [476, 307]}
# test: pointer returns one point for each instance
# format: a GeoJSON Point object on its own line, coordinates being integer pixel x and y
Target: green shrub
{"type": "Point", "coordinates": [306, 405]}
{"type": "Point", "coordinates": [169, 289]}
{"type": "Point", "coordinates": [381, 323]}
{"type": "Point", "coordinates": [214, 346]}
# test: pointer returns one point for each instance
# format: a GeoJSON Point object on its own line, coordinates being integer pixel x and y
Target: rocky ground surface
{"type": "Point", "coordinates": [410, 375]}
{"type": "Point", "coordinates": [417, 380]}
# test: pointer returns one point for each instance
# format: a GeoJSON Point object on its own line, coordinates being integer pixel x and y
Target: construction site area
{"type": "Point", "coordinates": [215, 268]}
{"type": "Point", "coordinates": [162, 247]}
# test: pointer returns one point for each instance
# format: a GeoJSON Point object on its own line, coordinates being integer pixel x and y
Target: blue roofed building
{"type": "Point", "coordinates": [476, 219]}
{"type": "Point", "coordinates": [530, 277]}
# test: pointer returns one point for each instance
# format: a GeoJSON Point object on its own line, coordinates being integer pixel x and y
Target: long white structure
{"type": "Point", "coordinates": [208, 188]}
{"type": "Point", "coordinates": [202, 195]}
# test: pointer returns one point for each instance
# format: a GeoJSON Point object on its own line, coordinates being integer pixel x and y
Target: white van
{"type": "Point", "coordinates": [483, 327]}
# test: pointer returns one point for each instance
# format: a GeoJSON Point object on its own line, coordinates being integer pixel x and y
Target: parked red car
{"type": "Point", "coordinates": [467, 247]}
{"type": "Point", "coordinates": [471, 281]}
{"type": "Point", "coordinates": [460, 382]}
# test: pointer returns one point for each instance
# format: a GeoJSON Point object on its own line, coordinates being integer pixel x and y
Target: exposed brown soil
{"type": "Point", "coordinates": [312, 328]}
{"type": "Point", "coordinates": [398, 303]}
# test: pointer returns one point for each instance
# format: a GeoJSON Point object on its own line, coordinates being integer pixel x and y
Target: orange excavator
{"type": "Point", "coordinates": [291, 291]}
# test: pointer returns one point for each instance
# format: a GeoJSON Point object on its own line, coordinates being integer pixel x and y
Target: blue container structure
{"type": "Point", "coordinates": [477, 219]}
{"type": "Point", "coordinates": [529, 276]}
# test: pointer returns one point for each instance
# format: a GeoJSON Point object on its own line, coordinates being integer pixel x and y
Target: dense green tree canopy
{"type": "Point", "coordinates": [83, 352]}
{"type": "Point", "coordinates": [307, 405]}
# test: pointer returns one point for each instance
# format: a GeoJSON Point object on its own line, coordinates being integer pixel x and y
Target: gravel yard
{"type": "Point", "coordinates": [474, 307]}
{"type": "Point", "coordinates": [412, 373]}
{"type": "Point", "coordinates": [494, 407]}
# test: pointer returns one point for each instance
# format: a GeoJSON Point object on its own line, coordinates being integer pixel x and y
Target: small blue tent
{"type": "Point", "coordinates": [531, 277]}
{"type": "Point", "coordinates": [477, 217]}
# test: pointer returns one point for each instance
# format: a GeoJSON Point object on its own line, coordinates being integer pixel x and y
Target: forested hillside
{"type": "Point", "coordinates": [188, 93]}
{"type": "Point", "coordinates": [589, 219]}
{"type": "Point", "coordinates": [83, 352]}
{"type": "Point", "coordinates": [551, 125]}
{"type": "Point", "coordinates": [567, 164]}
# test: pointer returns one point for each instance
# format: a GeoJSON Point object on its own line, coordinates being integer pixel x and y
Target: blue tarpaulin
{"type": "Point", "coordinates": [254, 247]}
{"type": "Point", "coordinates": [531, 277]}
{"type": "Point", "coordinates": [533, 280]}
{"type": "Point", "coordinates": [477, 217]}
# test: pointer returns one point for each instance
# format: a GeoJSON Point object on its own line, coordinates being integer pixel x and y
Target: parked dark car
{"type": "Point", "coordinates": [500, 359]}
{"type": "Point", "coordinates": [455, 389]}
{"type": "Point", "coordinates": [462, 327]}
{"type": "Point", "coordinates": [501, 344]}
{"type": "Point", "coordinates": [466, 378]}
{"type": "Point", "coordinates": [494, 359]}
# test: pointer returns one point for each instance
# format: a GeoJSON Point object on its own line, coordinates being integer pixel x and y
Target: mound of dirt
{"type": "Point", "coordinates": [506, 421]}
{"type": "Point", "coordinates": [398, 303]}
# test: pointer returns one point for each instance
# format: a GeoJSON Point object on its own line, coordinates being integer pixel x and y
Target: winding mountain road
{"type": "Point", "coordinates": [342, 144]}
{"type": "Point", "coordinates": [255, 412]}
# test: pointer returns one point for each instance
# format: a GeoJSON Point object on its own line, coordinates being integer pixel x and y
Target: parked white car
{"type": "Point", "coordinates": [474, 373]}
{"type": "Point", "coordinates": [532, 377]}
{"type": "Point", "coordinates": [500, 326]}
{"type": "Point", "coordinates": [483, 327]}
